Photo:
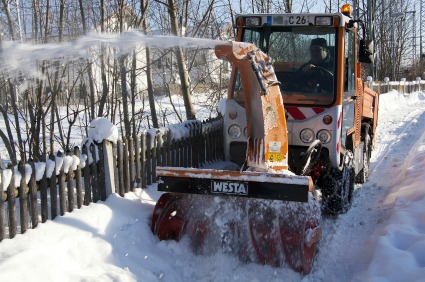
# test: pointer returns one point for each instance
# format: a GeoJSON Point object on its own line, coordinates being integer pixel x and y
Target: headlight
{"type": "Point", "coordinates": [235, 131]}
{"type": "Point", "coordinates": [307, 135]}
{"type": "Point", "coordinates": [324, 136]}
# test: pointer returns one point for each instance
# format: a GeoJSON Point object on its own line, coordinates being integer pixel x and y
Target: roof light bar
{"type": "Point", "coordinates": [346, 10]}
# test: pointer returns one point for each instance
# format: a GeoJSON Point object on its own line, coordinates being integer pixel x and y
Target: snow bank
{"type": "Point", "coordinates": [399, 246]}
{"type": "Point", "coordinates": [393, 100]}
{"type": "Point", "coordinates": [394, 249]}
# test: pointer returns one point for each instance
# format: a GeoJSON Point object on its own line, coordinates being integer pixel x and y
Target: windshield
{"type": "Point", "coordinates": [303, 59]}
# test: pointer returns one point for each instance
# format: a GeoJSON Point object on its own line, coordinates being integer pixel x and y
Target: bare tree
{"type": "Point", "coordinates": [144, 8]}
{"type": "Point", "coordinates": [184, 75]}
{"type": "Point", "coordinates": [105, 91]}
{"type": "Point", "coordinates": [6, 6]}
{"type": "Point", "coordinates": [8, 139]}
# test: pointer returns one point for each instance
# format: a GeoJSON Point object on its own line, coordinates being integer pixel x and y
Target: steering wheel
{"type": "Point", "coordinates": [316, 79]}
{"type": "Point", "coordinates": [328, 73]}
{"type": "Point", "coordinates": [320, 78]}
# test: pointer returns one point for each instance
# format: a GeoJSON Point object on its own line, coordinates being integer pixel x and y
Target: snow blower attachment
{"type": "Point", "coordinates": [263, 212]}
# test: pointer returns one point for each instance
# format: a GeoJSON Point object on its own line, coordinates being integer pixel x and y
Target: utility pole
{"type": "Point", "coordinates": [356, 9]}
{"type": "Point", "coordinates": [371, 31]}
{"type": "Point", "coordinates": [394, 17]}
{"type": "Point", "coordinates": [421, 30]}
{"type": "Point", "coordinates": [414, 35]}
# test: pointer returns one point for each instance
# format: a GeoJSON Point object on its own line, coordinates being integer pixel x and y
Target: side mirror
{"type": "Point", "coordinates": [366, 51]}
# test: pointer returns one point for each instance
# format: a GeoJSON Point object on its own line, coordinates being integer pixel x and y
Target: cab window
{"type": "Point", "coordinates": [303, 59]}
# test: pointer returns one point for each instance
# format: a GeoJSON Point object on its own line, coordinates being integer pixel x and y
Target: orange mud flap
{"type": "Point", "coordinates": [266, 218]}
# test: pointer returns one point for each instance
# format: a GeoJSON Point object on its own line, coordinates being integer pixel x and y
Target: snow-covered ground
{"type": "Point", "coordinates": [382, 237]}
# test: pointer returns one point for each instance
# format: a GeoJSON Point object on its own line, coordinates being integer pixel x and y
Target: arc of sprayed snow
{"type": "Point", "coordinates": [16, 55]}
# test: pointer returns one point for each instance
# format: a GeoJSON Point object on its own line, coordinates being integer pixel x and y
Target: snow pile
{"type": "Point", "coordinates": [83, 159]}
{"type": "Point", "coordinates": [67, 163]}
{"type": "Point", "coordinates": [393, 100]}
{"type": "Point", "coordinates": [18, 175]}
{"type": "Point", "coordinates": [102, 129]}
{"type": "Point", "coordinates": [175, 132]}
{"type": "Point", "coordinates": [90, 244]}
{"type": "Point", "coordinates": [6, 177]}
{"type": "Point", "coordinates": [50, 167]}
{"type": "Point", "coordinates": [40, 167]}
{"type": "Point", "coordinates": [221, 107]}
{"type": "Point", "coordinates": [58, 164]}
{"type": "Point", "coordinates": [182, 130]}
{"type": "Point", "coordinates": [397, 248]}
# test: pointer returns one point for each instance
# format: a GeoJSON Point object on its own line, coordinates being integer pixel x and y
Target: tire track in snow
{"type": "Point", "coordinates": [379, 155]}
{"type": "Point", "coordinates": [344, 244]}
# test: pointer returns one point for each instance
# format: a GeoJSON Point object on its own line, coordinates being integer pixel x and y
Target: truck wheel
{"type": "Point", "coordinates": [337, 190]}
{"type": "Point", "coordinates": [364, 173]}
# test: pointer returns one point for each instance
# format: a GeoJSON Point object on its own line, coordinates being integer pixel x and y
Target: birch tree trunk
{"type": "Point", "coordinates": [105, 91]}
{"type": "Point", "coordinates": [9, 19]}
{"type": "Point", "coordinates": [184, 75]}
{"type": "Point", "coordinates": [149, 80]}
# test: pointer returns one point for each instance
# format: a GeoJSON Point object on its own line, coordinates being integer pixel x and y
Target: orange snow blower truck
{"type": "Point", "coordinates": [295, 142]}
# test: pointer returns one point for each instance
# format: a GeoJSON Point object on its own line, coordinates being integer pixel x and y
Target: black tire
{"type": "Point", "coordinates": [367, 150]}
{"type": "Point", "coordinates": [337, 190]}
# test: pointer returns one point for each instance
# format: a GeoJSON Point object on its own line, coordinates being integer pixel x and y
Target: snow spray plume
{"type": "Point", "coordinates": [24, 57]}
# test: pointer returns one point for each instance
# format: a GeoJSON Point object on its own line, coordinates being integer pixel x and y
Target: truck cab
{"type": "Point", "coordinates": [330, 104]}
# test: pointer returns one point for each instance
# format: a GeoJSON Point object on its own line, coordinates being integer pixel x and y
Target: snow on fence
{"type": "Point", "coordinates": [34, 192]}
{"type": "Point", "coordinates": [402, 86]}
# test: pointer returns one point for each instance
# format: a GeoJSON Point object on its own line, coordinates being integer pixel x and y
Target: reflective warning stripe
{"type": "Point", "coordinates": [338, 145]}
{"type": "Point", "coordinates": [302, 113]}
{"type": "Point", "coordinates": [339, 120]}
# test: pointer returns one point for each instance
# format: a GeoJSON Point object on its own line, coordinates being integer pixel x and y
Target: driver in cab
{"type": "Point", "coordinates": [316, 75]}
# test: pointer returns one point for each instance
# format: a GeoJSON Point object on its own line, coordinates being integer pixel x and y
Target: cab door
{"type": "Point", "coordinates": [349, 104]}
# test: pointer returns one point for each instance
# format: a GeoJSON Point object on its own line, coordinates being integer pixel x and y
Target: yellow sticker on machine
{"type": "Point", "coordinates": [275, 157]}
